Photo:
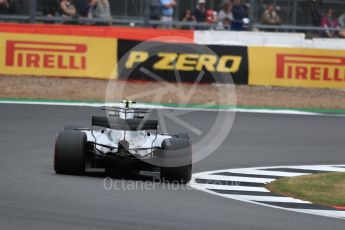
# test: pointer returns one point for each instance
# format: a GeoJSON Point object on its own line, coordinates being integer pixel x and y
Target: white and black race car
{"type": "Point", "coordinates": [124, 142]}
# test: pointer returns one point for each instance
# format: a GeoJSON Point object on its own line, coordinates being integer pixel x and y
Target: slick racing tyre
{"type": "Point", "coordinates": [70, 149]}
{"type": "Point", "coordinates": [176, 151]}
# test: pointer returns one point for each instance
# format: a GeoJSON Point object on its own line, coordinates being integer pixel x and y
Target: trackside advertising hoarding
{"type": "Point", "coordinates": [297, 67]}
{"type": "Point", "coordinates": [54, 55]}
{"type": "Point", "coordinates": [87, 54]}
{"type": "Point", "coordinates": [182, 62]}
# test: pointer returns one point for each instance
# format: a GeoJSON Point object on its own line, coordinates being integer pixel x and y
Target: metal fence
{"type": "Point", "coordinates": [297, 12]}
{"type": "Point", "coordinates": [296, 15]}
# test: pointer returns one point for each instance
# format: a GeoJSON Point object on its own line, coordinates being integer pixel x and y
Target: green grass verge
{"type": "Point", "coordinates": [172, 105]}
{"type": "Point", "coordinates": [326, 189]}
{"type": "Point", "coordinates": [71, 102]}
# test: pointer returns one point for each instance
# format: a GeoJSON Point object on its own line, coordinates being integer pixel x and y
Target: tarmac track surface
{"type": "Point", "coordinates": [32, 196]}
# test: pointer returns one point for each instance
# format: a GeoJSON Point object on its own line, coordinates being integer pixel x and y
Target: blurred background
{"type": "Point", "coordinates": [317, 18]}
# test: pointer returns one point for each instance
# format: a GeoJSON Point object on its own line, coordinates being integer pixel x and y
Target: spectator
{"type": "Point", "coordinates": [67, 8]}
{"type": "Point", "coordinates": [315, 11]}
{"type": "Point", "coordinates": [50, 7]}
{"type": "Point", "coordinates": [239, 10]}
{"type": "Point", "coordinates": [341, 23]}
{"type": "Point", "coordinates": [200, 11]}
{"type": "Point", "coordinates": [270, 16]}
{"type": "Point", "coordinates": [100, 9]}
{"type": "Point", "coordinates": [211, 16]}
{"type": "Point", "coordinates": [341, 20]}
{"type": "Point", "coordinates": [155, 10]}
{"type": "Point", "coordinates": [21, 7]}
{"type": "Point", "coordinates": [4, 7]}
{"type": "Point", "coordinates": [188, 17]}
{"type": "Point", "coordinates": [329, 22]}
{"type": "Point", "coordinates": [225, 16]}
{"type": "Point", "coordinates": [167, 11]}
{"type": "Point", "coordinates": [83, 7]}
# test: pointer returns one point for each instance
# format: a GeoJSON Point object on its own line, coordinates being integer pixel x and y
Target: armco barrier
{"type": "Point", "coordinates": [62, 56]}
{"type": "Point", "coordinates": [175, 62]}
{"type": "Point", "coordinates": [325, 43]}
{"type": "Point", "coordinates": [271, 66]}
{"type": "Point", "coordinates": [249, 38]}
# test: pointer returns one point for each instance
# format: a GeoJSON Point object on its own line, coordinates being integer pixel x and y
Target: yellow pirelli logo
{"type": "Point", "coordinates": [296, 67]}
{"type": "Point", "coordinates": [310, 67]}
{"type": "Point", "coordinates": [56, 55]}
{"type": "Point", "coordinates": [49, 55]}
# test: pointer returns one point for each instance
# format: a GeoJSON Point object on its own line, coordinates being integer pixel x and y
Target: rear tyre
{"type": "Point", "coordinates": [176, 151]}
{"type": "Point", "coordinates": [70, 149]}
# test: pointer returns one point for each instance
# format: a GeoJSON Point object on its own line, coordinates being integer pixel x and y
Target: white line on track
{"type": "Point", "coordinates": [318, 168]}
{"type": "Point", "coordinates": [263, 172]}
{"type": "Point", "coordinates": [235, 178]}
{"type": "Point", "coordinates": [267, 199]}
{"type": "Point", "coordinates": [260, 195]}
{"type": "Point", "coordinates": [336, 214]}
{"type": "Point", "coordinates": [233, 188]}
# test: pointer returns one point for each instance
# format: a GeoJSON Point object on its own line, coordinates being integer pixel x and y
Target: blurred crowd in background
{"type": "Point", "coordinates": [65, 8]}
{"type": "Point", "coordinates": [202, 14]}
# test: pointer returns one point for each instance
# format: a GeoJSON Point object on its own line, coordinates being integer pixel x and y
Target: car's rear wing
{"type": "Point", "coordinates": [121, 124]}
{"type": "Point", "coordinates": [115, 111]}
{"type": "Point", "coordinates": [125, 110]}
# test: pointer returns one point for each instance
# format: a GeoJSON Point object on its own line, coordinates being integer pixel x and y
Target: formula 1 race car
{"type": "Point", "coordinates": [124, 142]}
